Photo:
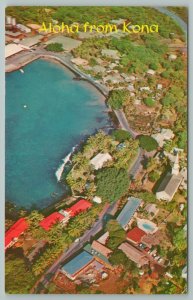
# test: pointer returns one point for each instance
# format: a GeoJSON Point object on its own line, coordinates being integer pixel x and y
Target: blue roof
{"type": "Point", "coordinates": [129, 209]}
{"type": "Point", "coordinates": [77, 263]}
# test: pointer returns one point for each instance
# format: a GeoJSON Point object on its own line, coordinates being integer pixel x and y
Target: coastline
{"type": "Point", "coordinates": [90, 85]}
{"type": "Point", "coordinates": [79, 75]}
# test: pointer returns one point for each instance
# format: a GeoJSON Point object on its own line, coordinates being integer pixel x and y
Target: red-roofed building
{"type": "Point", "coordinates": [135, 235]}
{"type": "Point", "coordinates": [79, 207]}
{"type": "Point", "coordinates": [52, 219]}
{"type": "Point", "coordinates": [12, 235]}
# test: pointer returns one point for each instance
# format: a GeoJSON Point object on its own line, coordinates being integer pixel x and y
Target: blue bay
{"type": "Point", "coordinates": [47, 113]}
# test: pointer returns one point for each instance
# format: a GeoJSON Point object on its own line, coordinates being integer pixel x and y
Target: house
{"type": "Point", "coordinates": [99, 160]}
{"type": "Point", "coordinates": [172, 57]}
{"type": "Point", "coordinates": [23, 28]}
{"type": "Point", "coordinates": [144, 88]}
{"type": "Point", "coordinates": [103, 238]}
{"type": "Point", "coordinates": [171, 183]}
{"type": "Point", "coordinates": [169, 187]}
{"type": "Point", "coordinates": [34, 27]}
{"type": "Point", "coordinates": [79, 207]}
{"type": "Point", "coordinates": [96, 246]}
{"type": "Point", "coordinates": [12, 49]}
{"type": "Point", "coordinates": [13, 233]}
{"type": "Point", "coordinates": [52, 219]}
{"type": "Point", "coordinates": [134, 254]}
{"type": "Point", "coordinates": [135, 235]}
{"type": "Point", "coordinates": [76, 265]}
{"type": "Point", "coordinates": [163, 135]}
{"type": "Point", "coordinates": [14, 35]}
{"type": "Point", "coordinates": [114, 54]}
{"type": "Point", "coordinates": [152, 209]}
{"type": "Point", "coordinates": [151, 72]}
{"type": "Point", "coordinates": [127, 213]}
{"type": "Point", "coordinates": [159, 86]}
{"type": "Point", "coordinates": [97, 199]}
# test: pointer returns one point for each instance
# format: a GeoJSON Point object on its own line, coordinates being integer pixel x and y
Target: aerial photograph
{"type": "Point", "coordinates": [96, 150]}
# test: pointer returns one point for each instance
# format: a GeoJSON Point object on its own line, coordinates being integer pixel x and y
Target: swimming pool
{"type": "Point", "coordinates": [147, 226]}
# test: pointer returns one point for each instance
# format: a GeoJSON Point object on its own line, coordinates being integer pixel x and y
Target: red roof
{"type": "Point", "coordinates": [52, 219]}
{"type": "Point", "coordinates": [15, 231]}
{"type": "Point", "coordinates": [77, 208]}
{"type": "Point", "coordinates": [135, 235]}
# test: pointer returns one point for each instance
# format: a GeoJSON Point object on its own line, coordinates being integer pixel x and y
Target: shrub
{"type": "Point", "coordinates": [149, 102]}
{"type": "Point", "coordinates": [55, 47]}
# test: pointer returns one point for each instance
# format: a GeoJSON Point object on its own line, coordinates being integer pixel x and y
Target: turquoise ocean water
{"type": "Point", "coordinates": [47, 113]}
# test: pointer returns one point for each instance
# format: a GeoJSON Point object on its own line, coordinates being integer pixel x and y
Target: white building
{"type": "Point", "coordinates": [99, 160]}
{"type": "Point", "coordinates": [170, 184]}
{"type": "Point", "coordinates": [23, 28]}
{"type": "Point", "coordinates": [97, 199]}
{"type": "Point", "coordinates": [12, 49]}
{"type": "Point", "coordinates": [164, 135]}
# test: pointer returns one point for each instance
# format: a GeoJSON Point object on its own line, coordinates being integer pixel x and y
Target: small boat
{"type": "Point", "coordinates": [21, 70]}
{"type": "Point", "coordinates": [25, 106]}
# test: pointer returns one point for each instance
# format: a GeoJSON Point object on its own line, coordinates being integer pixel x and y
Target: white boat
{"type": "Point", "coordinates": [25, 106]}
{"type": "Point", "coordinates": [21, 70]}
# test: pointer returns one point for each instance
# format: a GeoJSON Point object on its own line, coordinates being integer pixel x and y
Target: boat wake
{"type": "Point", "coordinates": [61, 167]}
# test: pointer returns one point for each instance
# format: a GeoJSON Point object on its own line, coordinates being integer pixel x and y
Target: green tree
{"type": "Point", "coordinates": [111, 183]}
{"type": "Point", "coordinates": [118, 258]}
{"type": "Point", "coordinates": [116, 234]}
{"type": "Point", "coordinates": [117, 98]}
{"type": "Point", "coordinates": [121, 135]}
{"type": "Point", "coordinates": [149, 102]}
{"type": "Point", "coordinates": [148, 143]}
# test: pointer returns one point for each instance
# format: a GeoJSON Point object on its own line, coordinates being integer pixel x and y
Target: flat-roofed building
{"type": "Point", "coordinates": [73, 268]}
{"type": "Point", "coordinates": [99, 160]}
{"type": "Point", "coordinates": [128, 211]}
{"type": "Point", "coordinates": [12, 49]}
{"type": "Point", "coordinates": [135, 235]}
{"type": "Point", "coordinates": [134, 254]}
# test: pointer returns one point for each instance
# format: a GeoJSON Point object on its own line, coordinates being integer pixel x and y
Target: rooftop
{"type": "Point", "coordinates": [134, 254]}
{"type": "Point", "coordinates": [77, 263]}
{"type": "Point", "coordinates": [168, 187]}
{"type": "Point", "coordinates": [15, 231]}
{"type": "Point", "coordinates": [100, 159]}
{"type": "Point", "coordinates": [101, 249]}
{"type": "Point", "coordinates": [128, 211]}
{"type": "Point", "coordinates": [135, 235]}
{"type": "Point", "coordinates": [12, 49]}
{"type": "Point", "coordinates": [52, 219]}
{"type": "Point", "coordinates": [79, 207]}
{"type": "Point", "coordinates": [103, 238]}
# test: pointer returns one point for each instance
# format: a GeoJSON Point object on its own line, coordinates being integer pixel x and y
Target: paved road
{"type": "Point", "coordinates": [97, 227]}
{"type": "Point", "coordinates": [124, 123]}
{"type": "Point", "coordinates": [175, 17]}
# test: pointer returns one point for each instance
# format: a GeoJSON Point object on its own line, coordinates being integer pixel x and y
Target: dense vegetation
{"type": "Point", "coordinates": [15, 265]}
{"type": "Point", "coordinates": [136, 15]}
{"type": "Point", "coordinates": [121, 135]}
{"type": "Point", "coordinates": [55, 47]}
{"type": "Point", "coordinates": [112, 183]}
{"type": "Point", "coordinates": [147, 143]}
